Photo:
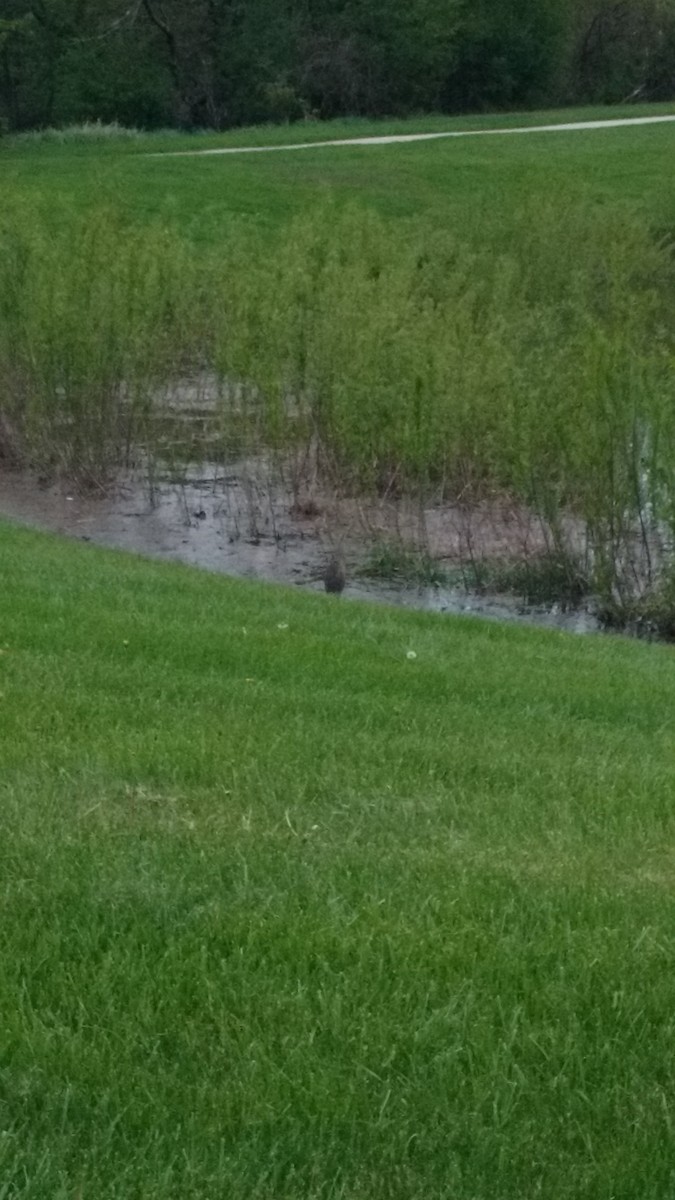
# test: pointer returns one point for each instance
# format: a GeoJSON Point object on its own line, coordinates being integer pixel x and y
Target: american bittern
{"type": "Point", "coordinates": [335, 575]}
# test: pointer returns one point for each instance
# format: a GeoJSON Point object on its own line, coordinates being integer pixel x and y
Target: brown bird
{"type": "Point", "coordinates": [335, 575]}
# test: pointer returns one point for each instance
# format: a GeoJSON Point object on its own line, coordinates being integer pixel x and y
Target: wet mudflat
{"type": "Point", "coordinates": [230, 520]}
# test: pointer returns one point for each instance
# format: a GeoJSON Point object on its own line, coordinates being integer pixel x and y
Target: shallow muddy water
{"type": "Point", "coordinates": [231, 521]}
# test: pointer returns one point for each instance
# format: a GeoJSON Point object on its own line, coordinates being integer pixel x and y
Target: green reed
{"type": "Point", "coordinates": [533, 363]}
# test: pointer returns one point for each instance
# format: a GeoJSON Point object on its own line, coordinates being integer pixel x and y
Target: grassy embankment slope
{"type": "Point", "coordinates": [288, 912]}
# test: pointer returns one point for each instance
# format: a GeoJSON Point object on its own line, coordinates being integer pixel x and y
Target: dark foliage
{"type": "Point", "coordinates": [218, 63]}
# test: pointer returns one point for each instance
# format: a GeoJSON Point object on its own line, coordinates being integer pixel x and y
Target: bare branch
{"type": "Point", "coordinates": [160, 23]}
{"type": "Point", "coordinates": [128, 17]}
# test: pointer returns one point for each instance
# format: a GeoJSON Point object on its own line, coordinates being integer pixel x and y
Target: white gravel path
{"type": "Point", "coordinates": [390, 139]}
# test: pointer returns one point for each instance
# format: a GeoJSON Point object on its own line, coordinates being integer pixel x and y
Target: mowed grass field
{"type": "Point", "coordinates": [458, 184]}
{"type": "Point", "coordinates": [306, 898]}
{"type": "Point", "coordinates": [317, 900]}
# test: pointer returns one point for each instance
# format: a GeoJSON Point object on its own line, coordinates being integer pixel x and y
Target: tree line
{"type": "Point", "coordinates": [221, 63]}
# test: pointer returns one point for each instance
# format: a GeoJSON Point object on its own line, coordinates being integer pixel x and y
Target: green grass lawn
{"type": "Point", "coordinates": [288, 912]}
{"type": "Point", "coordinates": [453, 183]}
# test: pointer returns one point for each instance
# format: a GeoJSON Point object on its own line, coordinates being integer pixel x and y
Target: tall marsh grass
{"type": "Point", "coordinates": [94, 320]}
{"type": "Point", "coordinates": [532, 364]}
{"type": "Point", "coordinates": [536, 365]}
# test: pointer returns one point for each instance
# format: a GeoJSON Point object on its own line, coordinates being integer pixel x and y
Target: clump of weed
{"type": "Point", "coordinates": [393, 562]}
{"type": "Point", "coordinates": [540, 579]}
{"type": "Point", "coordinates": [650, 616]}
